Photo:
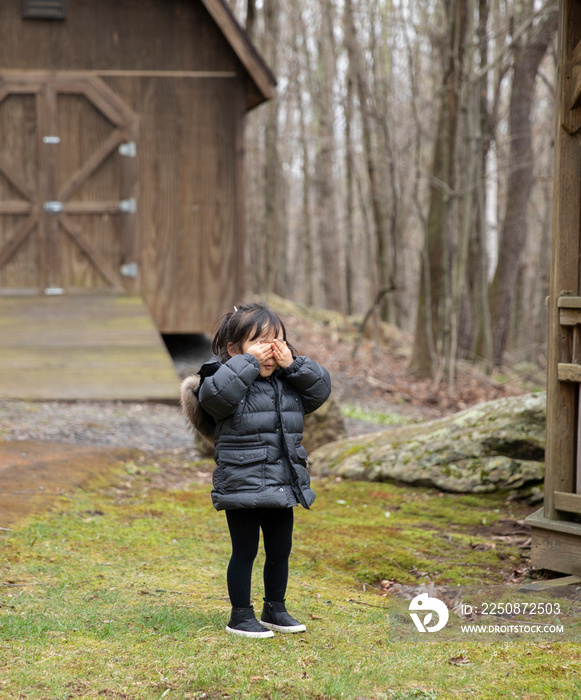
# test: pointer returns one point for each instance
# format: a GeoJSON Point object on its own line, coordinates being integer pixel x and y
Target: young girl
{"type": "Point", "coordinates": [256, 392]}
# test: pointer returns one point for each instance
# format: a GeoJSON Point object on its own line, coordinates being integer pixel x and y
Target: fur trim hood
{"type": "Point", "coordinates": [201, 421]}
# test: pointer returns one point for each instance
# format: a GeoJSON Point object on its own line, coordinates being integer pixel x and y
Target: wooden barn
{"type": "Point", "coordinates": [556, 527]}
{"type": "Point", "coordinates": [121, 169]}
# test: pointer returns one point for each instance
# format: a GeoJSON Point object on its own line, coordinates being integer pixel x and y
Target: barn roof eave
{"type": "Point", "coordinates": [256, 66]}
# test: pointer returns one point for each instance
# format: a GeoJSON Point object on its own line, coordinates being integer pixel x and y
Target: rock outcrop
{"type": "Point", "coordinates": [325, 425]}
{"type": "Point", "coordinates": [499, 445]}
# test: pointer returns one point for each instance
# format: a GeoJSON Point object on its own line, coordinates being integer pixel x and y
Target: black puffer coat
{"type": "Point", "coordinates": [260, 462]}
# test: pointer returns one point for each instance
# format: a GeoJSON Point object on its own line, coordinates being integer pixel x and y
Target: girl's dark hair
{"type": "Point", "coordinates": [249, 321]}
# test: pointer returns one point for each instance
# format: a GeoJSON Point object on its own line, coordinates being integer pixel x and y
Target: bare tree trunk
{"type": "Point", "coordinates": [467, 156]}
{"type": "Point", "coordinates": [527, 58]}
{"type": "Point", "coordinates": [271, 234]}
{"type": "Point", "coordinates": [306, 230]}
{"type": "Point", "coordinates": [424, 359]}
{"type": "Point", "coordinates": [436, 255]}
{"type": "Point", "coordinates": [432, 258]}
{"type": "Point", "coordinates": [477, 340]}
{"type": "Point", "coordinates": [378, 103]}
{"type": "Point", "coordinates": [357, 67]}
{"type": "Point", "coordinates": [307, 225]}
{"type": "Point", "coordinates": [350, 192]}
{"type": "Point", "coordinates": [324, 181]}
{"type": "Point", "coordinates": [250, 17]}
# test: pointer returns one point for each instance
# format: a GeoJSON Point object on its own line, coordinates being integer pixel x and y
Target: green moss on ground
{"type": "Point", "coordinates": [119, 592]}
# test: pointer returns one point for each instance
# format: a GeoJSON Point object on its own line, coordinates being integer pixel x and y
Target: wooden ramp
{"type": "Point", "coordinates": [82, 348]}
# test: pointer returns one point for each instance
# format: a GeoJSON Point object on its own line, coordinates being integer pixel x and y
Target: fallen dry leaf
{"type": "Point", "coordinates": [459, 660]}
{"type": "Point", "coordinates": [482, 546]}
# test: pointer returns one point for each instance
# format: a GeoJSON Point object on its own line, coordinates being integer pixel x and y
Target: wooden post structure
{"type": "Point", "coordinates": [556, 528]}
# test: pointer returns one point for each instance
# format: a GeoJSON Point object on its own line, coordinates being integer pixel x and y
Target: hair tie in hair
{"type": "Point", "coordinates": [235, 309]}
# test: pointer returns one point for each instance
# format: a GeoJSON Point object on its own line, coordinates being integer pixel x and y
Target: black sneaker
{"type": "Point", "coordinates": [275, 617]}
{"type": "Point", "coordinates": [244, 623]}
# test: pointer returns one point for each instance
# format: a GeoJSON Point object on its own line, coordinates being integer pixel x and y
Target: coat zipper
{"type": "Point", "coordinates": [274, 385]}
{"type": "Point", "coordinates": [296, 489]}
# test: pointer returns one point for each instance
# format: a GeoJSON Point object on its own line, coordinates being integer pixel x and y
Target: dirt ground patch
{"type": "Point", "coordinates": [33, 474]}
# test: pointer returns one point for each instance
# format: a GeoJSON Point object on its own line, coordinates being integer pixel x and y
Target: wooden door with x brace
{"type": "Point", "coordinates": [68, 185]}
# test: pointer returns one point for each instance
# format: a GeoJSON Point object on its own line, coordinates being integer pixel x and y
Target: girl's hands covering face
{"type": "Point", "coordinates": [261, 351]}
{"type": "Point", "coordinates": [281, 353]}
{"type": "Point", "coordinates": [270, 353]}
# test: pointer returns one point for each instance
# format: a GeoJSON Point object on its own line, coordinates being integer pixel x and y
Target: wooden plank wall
{"type": "Point", "coordinates": [189, 220]}
{"type": "Point", "coordinates": [169, 62]}
{"type": "Point", "coordinates": [143, 35]}
{"type": "Point", "coordinates": [18, 128]}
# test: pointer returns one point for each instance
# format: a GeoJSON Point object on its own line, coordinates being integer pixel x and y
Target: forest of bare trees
{"type": "Point", "coordinates": [406, 168]}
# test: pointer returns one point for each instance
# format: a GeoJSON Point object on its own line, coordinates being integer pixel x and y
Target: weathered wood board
{"type": "Point", "coordinates": [85, 347]}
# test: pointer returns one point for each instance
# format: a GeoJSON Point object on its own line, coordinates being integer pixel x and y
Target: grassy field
{"type": "Point", "coordinates": [119, 592]}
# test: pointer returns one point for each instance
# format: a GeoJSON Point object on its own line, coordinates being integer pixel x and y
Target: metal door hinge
{"type": "Point", "coordinates": [129, 270]}
{"type": "Point", "coordinates": [128, 205]}
{"type": "Point", "coordinates": [54, 291]}
{"type": "Point", "coordinates": [53, 207]}
{"type": "Point", "coordinates": [128, 149]}
{"type": "Point", "coordinates": [51, 139]}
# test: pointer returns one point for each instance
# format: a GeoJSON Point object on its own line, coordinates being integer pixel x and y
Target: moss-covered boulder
{"type": "Point", "coordinates": [499, 445]}
{"type": "Point", "coordinates": [325, 425]}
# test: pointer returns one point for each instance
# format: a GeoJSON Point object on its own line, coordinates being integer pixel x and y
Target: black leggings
{"type": "Point", "coordinates": [277, 531]}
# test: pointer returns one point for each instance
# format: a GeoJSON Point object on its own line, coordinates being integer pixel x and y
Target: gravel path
{"type": "Point", "coordinates": [145, 426]}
